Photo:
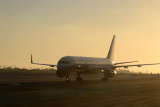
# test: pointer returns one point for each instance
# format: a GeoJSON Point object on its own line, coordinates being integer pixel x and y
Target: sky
{"type": "Point", "coordinates": [51, 29]}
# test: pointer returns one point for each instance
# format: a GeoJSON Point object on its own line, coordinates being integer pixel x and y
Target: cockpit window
{"type": "Point", "coordinates": [64, 62]}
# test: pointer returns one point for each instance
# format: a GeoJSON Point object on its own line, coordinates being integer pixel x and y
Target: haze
{"type": "Point", "coordinates": [51, 29]}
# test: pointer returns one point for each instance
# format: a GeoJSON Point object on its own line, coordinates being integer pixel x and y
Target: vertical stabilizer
{"type": "Point", "coordinates": [111, 50]}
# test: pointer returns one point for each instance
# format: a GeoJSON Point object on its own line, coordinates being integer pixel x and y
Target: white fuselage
{"type": "Point", "coordinates": [69, 64]}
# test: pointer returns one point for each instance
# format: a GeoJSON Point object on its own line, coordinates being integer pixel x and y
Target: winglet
{"type": "Point", "coordinates": [31, 59]}
{"type": "Point", "coordinates": [111, 50]}
{"type": "Point", "coordinates": [41, 64]}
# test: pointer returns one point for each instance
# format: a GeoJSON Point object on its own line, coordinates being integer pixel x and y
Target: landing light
{"type": "Point", "coordinates": [115, 72]}
{"type": "Point", "coordinates": [79, 66]}
{"type": "Point", "coordinates": [102, 70]}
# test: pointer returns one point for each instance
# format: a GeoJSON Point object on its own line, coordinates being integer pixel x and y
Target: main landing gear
{"type": "Point", "coordinates": [78, 77]}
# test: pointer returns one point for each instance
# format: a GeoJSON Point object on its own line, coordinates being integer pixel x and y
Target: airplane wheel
{"type": "Point", "coordinates": [79, 79]}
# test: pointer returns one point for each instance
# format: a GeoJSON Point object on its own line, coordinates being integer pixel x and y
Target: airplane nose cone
{"type": "Point", "coordinates": [62, 67]}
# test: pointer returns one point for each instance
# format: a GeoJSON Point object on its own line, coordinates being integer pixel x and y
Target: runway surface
{"type": "Point", "coordinates": [49, 90]}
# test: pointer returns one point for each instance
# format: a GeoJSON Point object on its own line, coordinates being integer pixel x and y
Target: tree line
{"type": "Point", "coordinates": [25, 70]}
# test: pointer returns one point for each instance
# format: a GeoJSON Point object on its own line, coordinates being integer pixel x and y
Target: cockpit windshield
{"type": "Point", "coordinates": [63, 62]}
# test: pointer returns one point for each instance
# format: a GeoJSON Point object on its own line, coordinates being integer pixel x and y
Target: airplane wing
{"type": "Point", "coordinates": [125, 62]}
{"type": "Point", "coordinates": [138, 65]}
{"type": "Point", "coordinates": [41, 64]}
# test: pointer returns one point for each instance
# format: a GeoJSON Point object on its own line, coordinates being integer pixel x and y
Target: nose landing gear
{"type": "Point", "coordinates": [79, 78]}
{"type": "Point", "coordinates": [67, 79]}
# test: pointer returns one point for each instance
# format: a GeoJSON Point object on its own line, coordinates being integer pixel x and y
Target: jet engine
{"type": "Point", "coordinates": [109, 73]}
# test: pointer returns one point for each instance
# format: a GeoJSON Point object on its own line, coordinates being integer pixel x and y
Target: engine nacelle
{"type": "Point", "coordinates": [113, 73]}
{"type": "Point", "coordinates": [109, 73]}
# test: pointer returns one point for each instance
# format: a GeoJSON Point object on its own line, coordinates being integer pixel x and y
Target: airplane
{"type": "Point", "coordinates": [78, 64]}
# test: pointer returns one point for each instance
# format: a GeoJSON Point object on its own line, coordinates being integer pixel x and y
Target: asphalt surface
{"type": "Point", "coordinates": [48, 90]}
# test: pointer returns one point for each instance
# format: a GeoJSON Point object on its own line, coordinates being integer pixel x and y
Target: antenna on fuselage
{"type": "Point", "coordinates": [111, 50]}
